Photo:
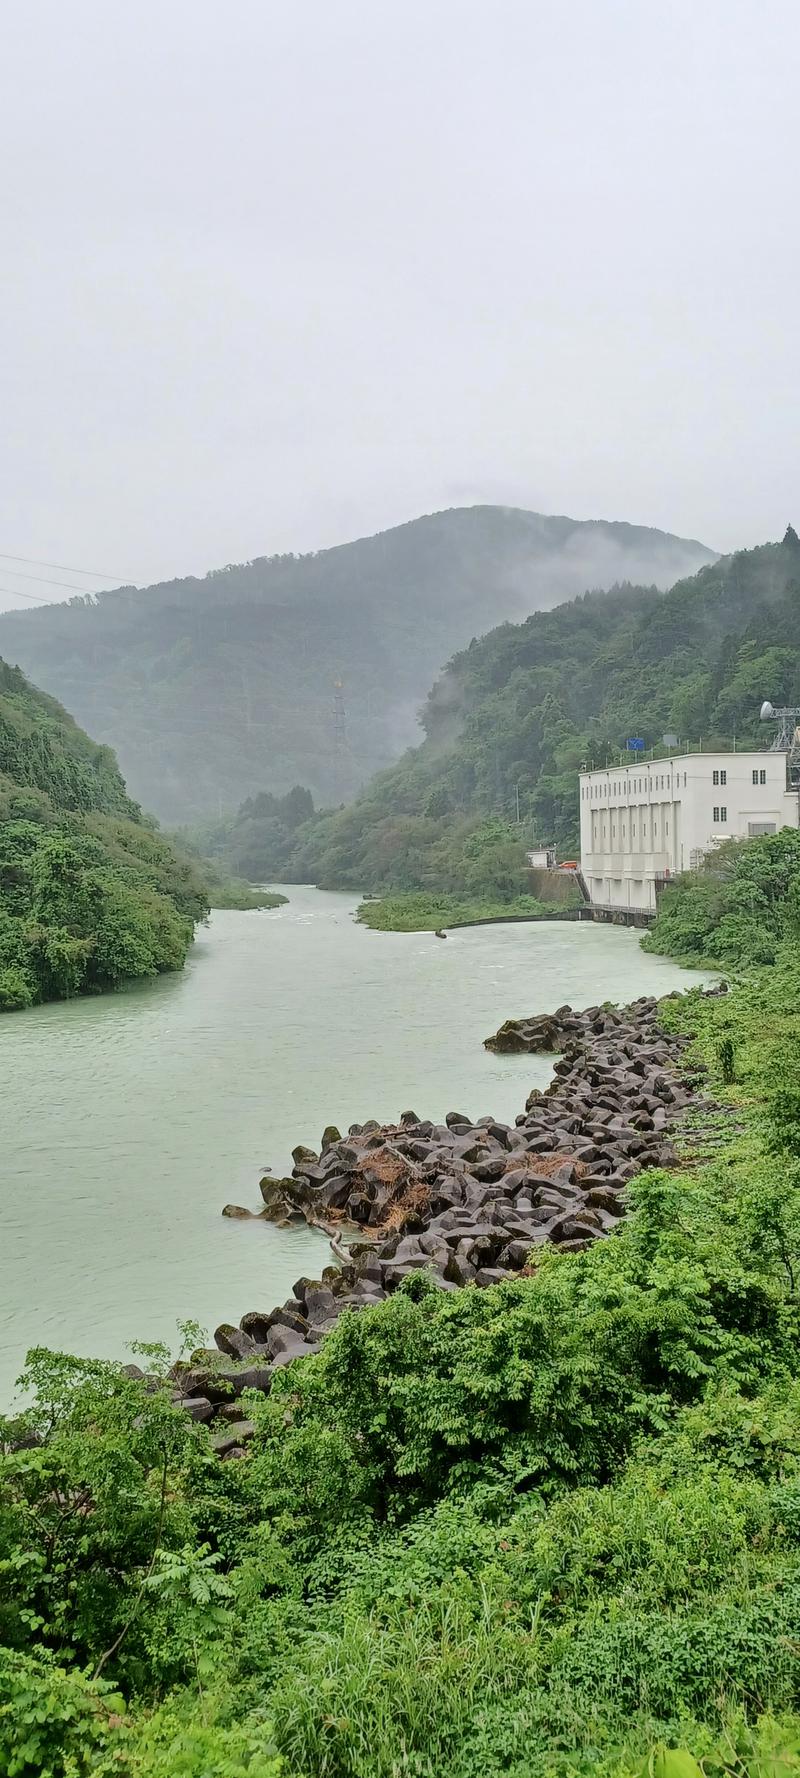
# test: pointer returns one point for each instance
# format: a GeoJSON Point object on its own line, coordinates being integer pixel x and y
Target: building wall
{"type": "Point", "coordinates": [647, 821]}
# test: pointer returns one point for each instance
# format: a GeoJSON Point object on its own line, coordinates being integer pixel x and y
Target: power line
{"type": "Point", "coordinates": [47, 580]}
{"type": "Point", "coordinates": [14, 593]}
{"type": "Point", "coordinates": [64, 568]}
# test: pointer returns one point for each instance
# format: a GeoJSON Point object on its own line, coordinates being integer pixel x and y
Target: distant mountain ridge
{"type": "Point", "coordinates": [312, 668]}
{"type": "Point", "coordinates": [515, 715]}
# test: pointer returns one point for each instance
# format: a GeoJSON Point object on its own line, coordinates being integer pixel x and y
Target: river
{"type": "Point", "coordinates": [127, 1121]}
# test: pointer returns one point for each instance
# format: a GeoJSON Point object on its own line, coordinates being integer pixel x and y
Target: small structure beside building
{"type": "Point", "coordinates": [541, 858]}
{"type": "Point", "coordinates": [646, 821]}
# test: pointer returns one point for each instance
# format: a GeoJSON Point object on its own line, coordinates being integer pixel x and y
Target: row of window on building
{"type": "Point", "coordinates": [638, 786]}
{"type": "Point", "coordinates": [660, 782]}
{"type": "Point", "coordinates": [759, 776]}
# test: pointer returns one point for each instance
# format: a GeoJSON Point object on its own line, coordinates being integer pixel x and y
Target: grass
{"type": "Point", "coordinates": [243, 897]}
{"type": "Point", "coordinates": [431, 913]}
{"type": "Point", "coordinates": [225, 891]}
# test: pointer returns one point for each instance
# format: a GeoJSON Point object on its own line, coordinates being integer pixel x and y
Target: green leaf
{"type": "Point", "coordinates": [672, 1762]}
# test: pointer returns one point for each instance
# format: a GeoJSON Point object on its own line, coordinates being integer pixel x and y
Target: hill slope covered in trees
{"type": "Point", "coordinates": [214, 689]}
{"type": "Point", "coordinates": [90, 894]}
{"type": "Point", "coordinates": [515, 715]}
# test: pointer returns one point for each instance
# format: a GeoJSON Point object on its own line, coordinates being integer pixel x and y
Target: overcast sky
{"type": "Point", "coordinates": [280, 274]}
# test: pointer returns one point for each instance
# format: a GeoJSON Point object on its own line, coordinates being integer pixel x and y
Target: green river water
{"type": "Point", "coordinates": [126, 1122]}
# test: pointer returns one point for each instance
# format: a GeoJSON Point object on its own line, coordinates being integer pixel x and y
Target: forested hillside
{"type": "Point", "coordinates": [90, 895]}
{"type": "Point", "coordinates": [213, 689]}
{"type": "Point", "coordinates": [515, 715]}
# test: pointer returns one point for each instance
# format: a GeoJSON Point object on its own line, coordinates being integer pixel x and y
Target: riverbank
{"type": "Point", "coordinates": [544, 1527]}
{"type": "Point", "coordinates": [234, 895]}
{"type": "Point", "coordinates": [280, 1024]}
{"type": "Point", "coordinates": [435, 913]}
{"type": "Point", "coordinates": [464, 1202]}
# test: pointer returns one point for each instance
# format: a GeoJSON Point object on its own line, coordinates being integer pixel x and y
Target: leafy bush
{"type": "Point", "coordinates": [181, 1741]}
{"type": "Point", "coordinates": [738, 908]}
{"type": "Point", "coordinates": [53, 1724]}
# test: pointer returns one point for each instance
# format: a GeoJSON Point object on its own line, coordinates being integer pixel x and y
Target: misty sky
{"type": "Point", "coordinates": [277, 275]}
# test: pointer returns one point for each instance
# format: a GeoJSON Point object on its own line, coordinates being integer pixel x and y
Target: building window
{"type": "Point", "coordinates": [755, 777]}
{"type": "Point", "coordinates": [723, 777]}
{"type": "Point", "coordinates": [723, 815]}
{"type": "Point", "coordinates": [666, 828]}
{"type": "Point", "coordinates": [762, 777]}
{"type": "Point", "coordinates": [716, 777]}
{"type": "Point", "coordinates": [715, 816]}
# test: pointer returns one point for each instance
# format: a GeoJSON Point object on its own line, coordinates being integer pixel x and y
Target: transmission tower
{"type": "Point", "coordinates": [786, 717]}
{"type": "Point", "coordinates": [787, 732]}
{"type": "Point", "coordinates": [339, 719]}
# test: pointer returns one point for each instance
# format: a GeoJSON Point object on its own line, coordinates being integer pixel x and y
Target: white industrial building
{"type": "Point", "coordinates": [646, 821]}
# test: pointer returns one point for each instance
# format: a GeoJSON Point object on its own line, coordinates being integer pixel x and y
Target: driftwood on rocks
{"type": "Point", "coordinates": [466, 1202]}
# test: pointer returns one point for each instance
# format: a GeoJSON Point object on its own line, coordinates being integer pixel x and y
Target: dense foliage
{"type": "Point", "coordinates": [737, 908]}
{"type": "Point", "coordinates": [552, 1527]}
{"type": "Point", "coordinates": [258, 841]}
{"type": "Point", "coordinates": [516, 715]}
{"type": "Point", "coordinates": [90, 895]}
{"type": "Point", "coordinates": [213, 689]}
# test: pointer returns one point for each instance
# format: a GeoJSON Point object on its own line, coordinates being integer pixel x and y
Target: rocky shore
{"type": "Point", "coordinates": [464, 1201]}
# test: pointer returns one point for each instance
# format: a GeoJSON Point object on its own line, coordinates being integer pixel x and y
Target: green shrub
{"type": "Point", "coordinates": [738, 908]}
{"type": "Point", "coordinates": [53, 1724]}
{"type": "Point", "coordinates": [16, 989]}
{"type": "Point", "coordinates": [726, 1056]}
{"type": "Point", "coordinates": [189, 1738]}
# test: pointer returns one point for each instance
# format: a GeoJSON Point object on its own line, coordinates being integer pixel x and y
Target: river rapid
{"type": "Point", "coordinates": [127, 1121]}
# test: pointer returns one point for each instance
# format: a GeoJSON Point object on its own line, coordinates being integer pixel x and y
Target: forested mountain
{"type": "Point", "coordinates": [214, 689]}
{"type": "Point", "coordinates": [90, 894]}
{"type": "Point", "coordinates": [515, 715]}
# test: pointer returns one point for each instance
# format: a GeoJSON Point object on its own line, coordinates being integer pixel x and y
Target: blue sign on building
{"type": "Point", "coordinates": [635, 744]}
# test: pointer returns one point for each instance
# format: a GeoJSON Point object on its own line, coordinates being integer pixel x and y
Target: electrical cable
{"type": "Point", "coordinates": [64, 568]}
